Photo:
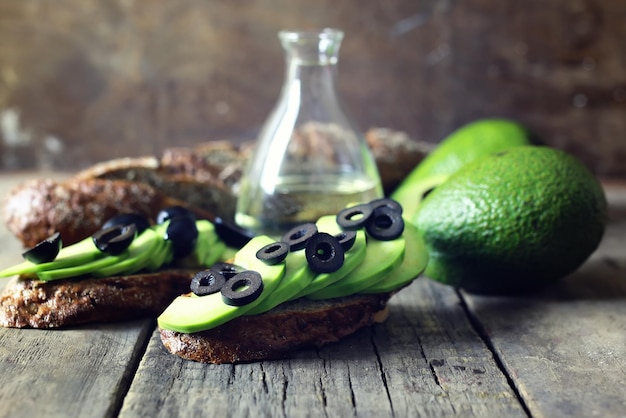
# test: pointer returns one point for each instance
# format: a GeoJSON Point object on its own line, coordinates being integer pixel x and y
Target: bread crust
{"type": "Point", "coordinates": [275, 334]}
{"type": "Point", "coordinates": [29, 303]}
{"type": "Point", "coordinates": [37, 209]}
{"type": "Point", "coordinates": [205, 178]}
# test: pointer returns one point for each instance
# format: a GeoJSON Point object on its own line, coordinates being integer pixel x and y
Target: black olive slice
{"type": "Point", "coordinates": [385, 224]}
{"type": "Point", "coordinates": [385, 201]}
{"type": "Point", "coordinates": [141, 222]}
{"type": "Point", "coordinates": [243, 288]}
{"type": "Point", "coordinates": [171, 212]}
{"type": "Point", "coordinates": [44, 251]}
{"type": "Point", "coordinates": [183, 233]}
{"type": "Point", "coordinates": [273, 253]}
{"type": "Point", "coordinates": [346, 239]}
{"type": "Point", "coordinates": [298, 236]}
{"type": "Point", "coordinates": [207, 282]}
{"type": "Point", "coordinates": [324, 253]}
{"type": "Point", "coordinates": [115, 239]}
{"type": "Point", "coordinates": [228, 270]}
{"type": "Point", "coordinates": [354, 217]}
{"type": "Point", "coordinates": [232, 234]}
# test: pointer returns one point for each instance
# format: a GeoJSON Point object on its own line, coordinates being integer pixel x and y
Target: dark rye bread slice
{"type": "Point", "coordinates": [275, 334]}
{"type": "Point", "coordinates": [202, 176]}
{"type": "Point", "coordinates": [27, 303]}
{"type": "Point", "coordinates": [76, 208]}
{"type": "Point", "coordinates": [199, 178]}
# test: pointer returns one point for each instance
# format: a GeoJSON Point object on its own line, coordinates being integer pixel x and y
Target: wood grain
{"type": "Point", "coordinates": [426, 360]}
{"type": "Point", "coordinates": [82, 372]}
{"type": "Point", "coordinates": [87, 80]}
{"type": "Point", "coordinates": [559, 353]}
{"type": "Point", "coordinates": [565, 349]}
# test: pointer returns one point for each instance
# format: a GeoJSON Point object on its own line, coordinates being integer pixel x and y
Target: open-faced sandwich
{"type": "Point", "coordinates": [131, 267]}
{"type": "Point", "coordinates": [317, 284]}
{"type": "Point", "coordinates": [314, 285]}
{"type": "Point", "coordinates": [115, 242]}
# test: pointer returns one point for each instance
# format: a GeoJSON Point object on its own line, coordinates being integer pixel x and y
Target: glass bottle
{"type": "Point", "coordinates": [309, 160]}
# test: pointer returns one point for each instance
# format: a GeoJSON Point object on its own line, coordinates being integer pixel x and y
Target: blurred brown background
{"type": "Point", "coordinates": [87, 80]}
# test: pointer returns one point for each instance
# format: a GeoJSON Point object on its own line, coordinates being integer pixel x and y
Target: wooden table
{"type": "Point", "coordinates": [442, 352]}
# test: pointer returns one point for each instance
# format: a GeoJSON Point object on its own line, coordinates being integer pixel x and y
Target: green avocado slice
{"type": "Point", "coordinates": [163, 255]}
{"type": "Point", "coordinates": [198, 313]}
{"type": "Point", "coordinates": [216, 254]}
{"type": "Point", "coordinates": [381, 258]}
{"type": "Point", "coordinates": [82, 269]}
{"type": "Point", "coordinates": [139, 250]}
{"type": "Point", "coordinates": [228, 253]}
{"type": "Point", "coordinates": [298, 276]}
{"type": "Point", "coordinates": [81, 252]}
{"type": "Point", "coordinates": [413, 264]}
{"type": "Point", "coordinates": [353, 258]}
{"type": "Point", "coordinates": [206, 244]}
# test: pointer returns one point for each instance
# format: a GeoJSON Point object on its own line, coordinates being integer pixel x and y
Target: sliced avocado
{"type": "Point", "coordinates": [381, 258]}
{"type": "Point", "coordinates": [228, 253]}
{"type": "Point", "coordinates": [139, 249]}
{"type": "Point", "coordinates": [298, 276]}
{"type": "Point", "coordinates": [215, 254]}
{"type": "Point", "coordinates": [164, 254]}
{"type": "Point", "coordinates": [81, 252]}
{"type": "Point", "coordinates": [198, 313]}
{"type": "Point", "coordinates": [353, 258]}
{"type": "Point", "coordinates": [205, 245]}
{"type": "Point", "coordinates": [413, 264]}
{"type": "Point", "coordinates": [141, 252]}
{"type": "Point", "coordinates": [81, 269]}
{"type": "Point", "coordinates": [161, 257]}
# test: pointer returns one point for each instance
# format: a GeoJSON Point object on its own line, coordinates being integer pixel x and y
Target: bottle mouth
{"type": "Point", "coordinates": [311, 35]}
{"type": "Point", "coordinates": [312, 47]}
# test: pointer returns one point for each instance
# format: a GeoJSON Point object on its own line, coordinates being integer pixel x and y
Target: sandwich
{"type": "Point", "coordinates": [318, 283]}
{"type": "Point", "coordinates": [314, 285]}
{"type": "Point", "coordinates": [148, 275]}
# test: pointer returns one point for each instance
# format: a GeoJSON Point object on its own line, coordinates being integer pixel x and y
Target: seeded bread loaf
{"type": "Point", "coordinates": [26, 303]}
{"type": "Point", "coordinates": [275, 334]}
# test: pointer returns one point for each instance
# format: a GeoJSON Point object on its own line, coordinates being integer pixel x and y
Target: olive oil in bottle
{"type": "Point", "coordinates": [309, 159]}
{"type": "Point", "coordinates": [295, 201]}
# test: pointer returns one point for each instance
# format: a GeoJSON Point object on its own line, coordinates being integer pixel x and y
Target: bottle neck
{"type": "Point", "coordinates": [311, 82]}
{"type": "Point", "coordinates": [311, 59]}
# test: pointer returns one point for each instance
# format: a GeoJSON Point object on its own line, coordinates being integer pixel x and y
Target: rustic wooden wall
{"type": "Point", "coordinates": [87, 80]}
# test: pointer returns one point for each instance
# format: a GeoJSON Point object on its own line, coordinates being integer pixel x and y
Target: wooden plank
{"type": "Point", "coordinates": [81, 372]}
{"type": "Point", "coordinates": [435, 352]}
{"type": "Point", "coordinates": [565, 348]}
{"type": "Point", "coordinates": [426, 360]}
{"type": "Point", "coordinates": [163, 73]}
